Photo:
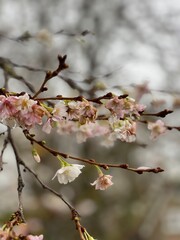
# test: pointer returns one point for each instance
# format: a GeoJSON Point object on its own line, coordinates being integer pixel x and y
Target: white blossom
{"type": "Point", "coordinates": [68, 173]}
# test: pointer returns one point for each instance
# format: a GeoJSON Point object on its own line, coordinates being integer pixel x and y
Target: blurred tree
{"type": "Point", "coordinates": [111, 46]}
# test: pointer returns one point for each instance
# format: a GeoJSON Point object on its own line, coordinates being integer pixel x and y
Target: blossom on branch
{"type": "Point", "coordinates": [90, 130]}
{"type": "Point", "coordinates": [157, 128]}
{"type": "Point", "coordinates": [82, 111]}
{"type": "Point", "coordinates": [125, 130]}
{"type": "Point", "coordinates": [21, 110]}
{"type": "Point", "coordinates": [60, 111]}
{"type": "Point", "coordinates": [124, 107]}
{"type": "Point", "coordinates": [103, 182]}
{"type": "Point", "coordinates": [32, 237]}
{"type": "Point", "coordinates": [68, 173]}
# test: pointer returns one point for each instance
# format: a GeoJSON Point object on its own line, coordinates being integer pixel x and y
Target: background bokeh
{"type": "Point", "coordinates": [119, 46]}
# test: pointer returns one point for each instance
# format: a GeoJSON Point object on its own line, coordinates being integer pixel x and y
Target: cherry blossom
{"type": "Point", "coordinates": [47, 127]}
{"type": "Point", "coordinates": [82, 111]}
{"type": "Point", "coordinates": [124, 107]}
{"type": "Point", "coordinates": [157, 128]}
{"type": "Point", "coordinates": [125, 130]}
{"type": "Point", "coordinates": [32, 237]}
{"type": "Point", "coordinates": [103, 182]}
{"type": "Point", "coordinates": [45, 37]}
{"type": "Point", "coordinates": [4, 235]}
{"type": "Point", "coordinates": [67, 127]}
{"type": "Point", "coordinates": [60, 111]}
{"type": "Point", "coordinates": [21, 110]}
{"type": "Point", "coordinates": [115, 105]}
{"type": "Point", "coordinates": [90, 130]}
{"type": "Point", "coordinates": [7, 109]}
{"type": "Point", "coordinates": [68, 173]}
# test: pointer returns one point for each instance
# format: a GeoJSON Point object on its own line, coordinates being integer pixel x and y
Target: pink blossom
{"type": "Point", "coordinates": [7, 108]}
{"type": "Point", "coordinates": [103, 182]}
{"type": "Point", "coordinates": [116, 105]}
{"type": "Point", "coordinates": [21, 110]}
{"type": "Point", "coordinates": [32, 237]}
{"type": "Point", "coordinates": [87, 112]}
{"type": "Point", "coordinates": [47, 127]}
{"type": "Point", "coordinates": [82, 111]}
{"type": "Point", "coordinates": [90, 130]}
{"type": "Point", "coordinates": [141, 89]}
{"type": "Point", "coordinates": [66, 127]}
{"type": "Point", "coordinates": [128, 132]}
{"type": "Point", "coordinates": [125, 130]}
{"type": "Point", "coordinates": [73, 110]}
{"type": "Point", "coordinates": [157, 128]}
{"type": "Point", "coordinates": [29, 112]}
{"type": "Point", "coordinates": [59, 111]}
{"type": "Point", "coordinates": [4, 235]}
{"type": "Point", "coordinates": [32, 117]}
{"type": "Point", "coordinates": [124, 107]}
{"type": "Point", "coordinates": [24, 103]}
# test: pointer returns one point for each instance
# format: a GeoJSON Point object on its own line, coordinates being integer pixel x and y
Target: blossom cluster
{"type": "Point", "coordinates": [20, 111]}
{"type": "Point", "coordinates": [81, 117]}
{"type": "Point", "coordinates": [84, 118]}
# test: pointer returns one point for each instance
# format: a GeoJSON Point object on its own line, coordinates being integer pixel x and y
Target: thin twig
{"type": "Point", "coordinates": [20, 179]}
{"type": "Point", "coordinates": [2, 152]}
{"type": "Point", "coordinates": [21, 162]}
{"type": "Point", "coordinates": [161, 114]}
{"type": "Point", "coordinates": [49, 75]}
{"type": "Point", "coordinates": [75, 214]}
{"type": "Point", "coordinates": [105, 166]}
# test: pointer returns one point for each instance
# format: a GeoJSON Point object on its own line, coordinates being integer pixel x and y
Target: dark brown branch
{"type": "Point", "coordinates": [75, 214]}
{"type": "Point", "coordinates": [9, 71]}
{"type": "Point", "coordinates": [20, 179]}
{"type": "Point", "coordinates": [80, 98]}
{"type": "Point", "coordinates": [172, 127]}
{"type": "Point", "coordinates": [21, 162]}
{"type": "Point", "coordinates": [49, 75]}
{"type": "Point", "coordinates": [161, 114]}
{"type": "Point", "coordinates": [168, 127]}
{"type": "Point", "coordinates": [105, 166]}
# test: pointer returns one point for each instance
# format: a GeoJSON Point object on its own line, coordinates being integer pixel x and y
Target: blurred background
{"type": "Point", "coordinates": [120, 46]}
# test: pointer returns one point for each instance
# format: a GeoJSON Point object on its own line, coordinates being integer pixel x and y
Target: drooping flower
{"type": "Point", "coordinates": [102, 182]}
{"type": "Point", "coordinates": [68, 173]}
{"type": "Point", "coordinates": [157, 128]}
